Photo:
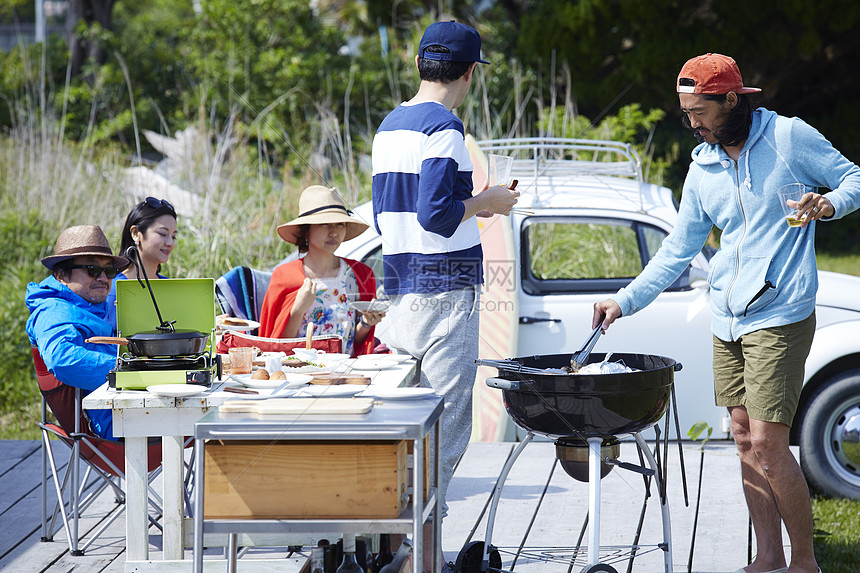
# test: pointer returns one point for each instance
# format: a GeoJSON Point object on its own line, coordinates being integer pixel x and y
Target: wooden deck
{"type": "Point", "coordinates": [541, 508]}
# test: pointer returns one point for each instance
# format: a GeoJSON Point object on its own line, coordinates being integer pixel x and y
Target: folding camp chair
{"type": "Point", "coordinates": [104, 462]}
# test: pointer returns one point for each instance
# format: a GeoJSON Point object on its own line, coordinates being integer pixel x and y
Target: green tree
{"type": "Point", "coordinates": [269, 64]}
{"type": "Point", "coordinates": [17, 11]}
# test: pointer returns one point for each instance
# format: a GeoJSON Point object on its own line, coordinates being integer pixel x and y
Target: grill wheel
{"type": "Point", "coordinates": [469, 559]}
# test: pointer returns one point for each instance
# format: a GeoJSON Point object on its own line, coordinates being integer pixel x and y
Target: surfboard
{"type": "Point", "coordinates": [499, 310]}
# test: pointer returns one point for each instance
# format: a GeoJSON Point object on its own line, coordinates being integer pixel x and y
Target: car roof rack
{"type": "Point", "coordinates": [542, 156]}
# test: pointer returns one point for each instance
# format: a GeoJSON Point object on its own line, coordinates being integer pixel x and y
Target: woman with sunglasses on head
{"type": "Point", "coordinates": [150, 227]}
{"type": "Point", "coordinates": [316, 289]}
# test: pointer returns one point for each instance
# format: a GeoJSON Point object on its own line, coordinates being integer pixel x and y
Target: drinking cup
{"type": "Point", "coordinates": [792, 192]}
{"type": "Point", "coordinates": [500, 169]}
{"type": "Point", "coordinates": [241, 360]}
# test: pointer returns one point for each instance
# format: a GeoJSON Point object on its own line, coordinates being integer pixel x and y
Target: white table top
{"type": "Point", "coordinates": [105, 397]}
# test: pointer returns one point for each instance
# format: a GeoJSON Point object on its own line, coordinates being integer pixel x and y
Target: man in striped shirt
{"type": "Point", "coordinates": [424, 209]}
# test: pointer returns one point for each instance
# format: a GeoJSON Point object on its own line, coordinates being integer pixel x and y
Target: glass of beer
{"type": "Point", "coordinates": [792, 192]}
{"type": "Point", "coordinates": [500, 169]}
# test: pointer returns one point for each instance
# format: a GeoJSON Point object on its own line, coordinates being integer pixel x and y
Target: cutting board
{"type": "Point", "coordinates": [299, 406]}
{"type": "Point", "coordinates": [335, 379]}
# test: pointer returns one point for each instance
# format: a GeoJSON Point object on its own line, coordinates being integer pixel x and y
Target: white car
{"type": "Point", "coordinates": [586, 224]}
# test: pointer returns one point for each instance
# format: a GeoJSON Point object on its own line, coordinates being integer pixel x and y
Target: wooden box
{"type": "Point", "coordinates": [304, 479]}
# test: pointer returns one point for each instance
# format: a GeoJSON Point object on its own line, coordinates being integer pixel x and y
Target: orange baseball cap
{"type": "Point", "coordinates": [711, 74]}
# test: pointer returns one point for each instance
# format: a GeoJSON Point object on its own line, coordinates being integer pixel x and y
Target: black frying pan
{"type": "Point", "coordinates": [155, 344]}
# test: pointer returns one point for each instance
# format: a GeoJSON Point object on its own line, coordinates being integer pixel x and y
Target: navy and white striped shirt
{"type": "Point", "coordinates": [421, 175]}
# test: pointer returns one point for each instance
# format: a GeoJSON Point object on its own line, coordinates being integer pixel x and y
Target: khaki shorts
{"type": "Point", "coordinates": [763, 370]}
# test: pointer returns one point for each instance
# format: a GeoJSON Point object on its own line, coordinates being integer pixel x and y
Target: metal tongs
{"type": "Point", "coordinates": [578, 358]}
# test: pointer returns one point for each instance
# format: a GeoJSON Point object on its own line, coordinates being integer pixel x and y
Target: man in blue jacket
{"type": "Point", "coordinates": [763, 282]}
{"type": "Point", "coordinates": [69, 306]}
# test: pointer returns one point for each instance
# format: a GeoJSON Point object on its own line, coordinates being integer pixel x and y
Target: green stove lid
{"type": "Point", "coordinates": [190, 302]}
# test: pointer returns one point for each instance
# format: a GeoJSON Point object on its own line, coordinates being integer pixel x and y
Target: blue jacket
{"type": "Point", "coordinates": [59, 322]}
{"type": "Point", "coordinates": [764, 274]}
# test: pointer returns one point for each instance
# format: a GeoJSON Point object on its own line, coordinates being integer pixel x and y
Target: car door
{"type": "Point", "coordinates": [569, 261]}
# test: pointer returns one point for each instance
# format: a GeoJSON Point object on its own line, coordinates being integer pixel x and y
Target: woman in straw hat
{"type": "Point", "coordinates": [317, 288]}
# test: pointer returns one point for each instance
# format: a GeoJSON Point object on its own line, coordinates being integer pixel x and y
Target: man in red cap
{"type": "Point", "coordinates": [762, 282]}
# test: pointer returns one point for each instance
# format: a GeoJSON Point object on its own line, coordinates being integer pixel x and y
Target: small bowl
{"type": "Point", "coordinates": [308, 355]}
{"type": "Point", "coordinates": [370, 305]}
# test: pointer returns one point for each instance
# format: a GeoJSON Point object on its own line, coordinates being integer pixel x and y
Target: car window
{"type": "Point", "coordinates": [582, 250]}
{"type": "Point", "coordinates": [653, 238]}
{"type": "Point", "coordinates": [373, 259]}
{"type": "Point", "coordinates": [578, 254]}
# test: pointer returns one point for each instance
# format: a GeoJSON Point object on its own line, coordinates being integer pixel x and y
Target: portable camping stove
{"type": "Point", "coordinates": [190, 303]}
{"type": "Point", "coordinates": [133, 372]}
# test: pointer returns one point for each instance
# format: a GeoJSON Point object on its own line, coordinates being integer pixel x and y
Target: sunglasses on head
{"type": "Point", "coordinates": [158, 203]}
{"type": "Point", "coordinates": [95, 271]}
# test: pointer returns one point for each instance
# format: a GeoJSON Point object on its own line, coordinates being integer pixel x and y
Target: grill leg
{"type": "Point", "coordinates": [497, 493]}
{"type": "Point", "coordinates": [594, 500]}
{"type": "Point", "coordinates": [664, 506]}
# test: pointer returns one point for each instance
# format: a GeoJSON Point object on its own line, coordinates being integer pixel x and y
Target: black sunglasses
{"type": "Point", "coordinates": [158, 203]}
{"type": "Point", "coordinates": [95, 270]}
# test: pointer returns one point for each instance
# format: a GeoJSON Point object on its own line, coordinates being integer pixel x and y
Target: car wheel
{"type": "Point", "coordinates": [830, 437]}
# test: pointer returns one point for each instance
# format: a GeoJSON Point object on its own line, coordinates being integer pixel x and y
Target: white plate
{"type": "Point", "coordinates": [371, 305]}
{"type": "Point", "coordinates": [338, 391]}
{"type": "Point", "coordinates": [252, 324]}
{"type": "Point", "coordinates": [378, 364]}
{"type": "Point", "coordinates": [395, 357]}
{"type": "Point", "coordinates": [294, 379]}
{"type": "Point", "coordinates": [305, 369]}
{"type": "Point", "coordinates": [399, 393]}
{"type": "Point", "coordinates": [332, 358]}
{"type": "Point", "coordinates": [176, 390]}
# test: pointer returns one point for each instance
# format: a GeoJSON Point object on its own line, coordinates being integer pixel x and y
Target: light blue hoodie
{"type": "Point", "coordinates": [764, 274]}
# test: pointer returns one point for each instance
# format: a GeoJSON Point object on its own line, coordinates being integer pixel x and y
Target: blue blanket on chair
{"type": "Point", "coordinates": [240, 292]}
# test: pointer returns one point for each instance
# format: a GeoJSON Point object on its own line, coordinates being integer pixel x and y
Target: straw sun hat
{"type": "Point", "coordinates": [320, 205]}
{"type": "Point", "coordinates": [82, 240]}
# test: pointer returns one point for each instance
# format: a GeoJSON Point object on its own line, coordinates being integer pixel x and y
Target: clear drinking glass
{"type": "Point", "coordinates": [241, 360]}
{"type": "Point", "coordinates": [500, 169]}
{"type": "Point", "coordinates": [792, 192]}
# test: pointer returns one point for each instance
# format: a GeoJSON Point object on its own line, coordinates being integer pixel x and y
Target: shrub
{"type": "Point", "coordinates": [24, 240]}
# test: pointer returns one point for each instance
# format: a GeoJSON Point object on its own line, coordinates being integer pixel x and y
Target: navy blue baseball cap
{"type": "Point", "coordinates": [462, 41]}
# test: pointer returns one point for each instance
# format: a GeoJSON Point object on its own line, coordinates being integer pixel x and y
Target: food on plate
{"type": "Point", "coordinates": [234, 321]}
{"type": "Point", "coordinates": [278, 375]}
{"type": "Point", "coordinates": [294, 362]}
{"type": "Point", "coordinates": [260, 374]}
